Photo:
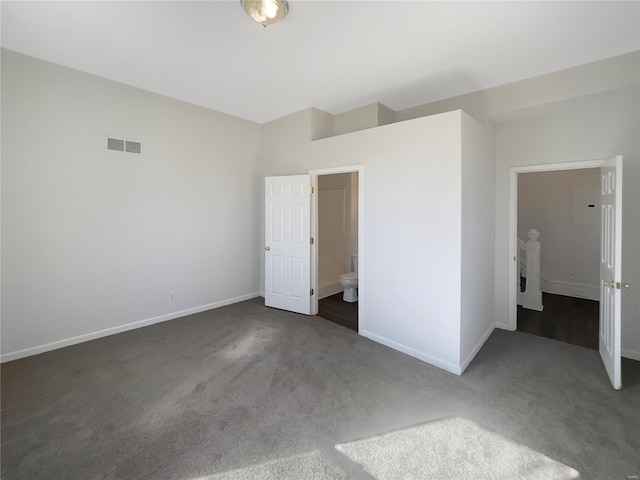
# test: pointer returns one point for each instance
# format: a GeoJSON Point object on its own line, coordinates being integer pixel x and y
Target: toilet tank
{"type": "Point", "coordinates": [354, 261]}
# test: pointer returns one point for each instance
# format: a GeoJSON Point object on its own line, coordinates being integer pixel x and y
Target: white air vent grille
{"type": "Point", "coordinates": [119, 145]}
{"type": "Point", "coordinates": [115, 144]}
{"type": "Point", "coordinates": [133, 147]}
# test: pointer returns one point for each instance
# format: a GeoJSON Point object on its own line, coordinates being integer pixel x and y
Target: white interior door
{"type": "Point", "coordinates": [287, 255]}
{"type": "Point", "coordinates": [610, 266]}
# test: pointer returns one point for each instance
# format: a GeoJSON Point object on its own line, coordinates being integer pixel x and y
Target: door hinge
{"type": "Point", "coordinates": [310, 188]}
{"type": "Point", "coordinates": [312, 291]}
{"type": "Point", "coordinates": [311, 240]}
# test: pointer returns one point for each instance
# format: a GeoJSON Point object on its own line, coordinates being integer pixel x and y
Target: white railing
{"type": "Point", "coordinates": [522, 263]}
{"type": "Point", "coordinates": [529, 268]}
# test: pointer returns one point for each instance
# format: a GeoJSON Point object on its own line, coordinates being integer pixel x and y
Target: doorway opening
{"type": "Point", "coordinates": [564, 208]}
{"type": "Point", "coordinates": [514, 172]}
{"type": "Point", "coordinates": [609, 283]}
{"type": "Point", "coordinates": [335, 253]}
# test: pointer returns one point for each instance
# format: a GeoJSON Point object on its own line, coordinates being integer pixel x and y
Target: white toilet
{"type": "Point", "coordinates": [350, 281]}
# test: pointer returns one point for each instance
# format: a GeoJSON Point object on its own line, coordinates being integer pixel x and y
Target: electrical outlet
{"type": "Point", "coordinates": [172, 296]}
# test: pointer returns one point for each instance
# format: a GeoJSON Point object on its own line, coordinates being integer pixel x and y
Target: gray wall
{"type": "Point", "coordinates": [410, 240]}
{"type": "Point", "coordinates": [591, 127]}
{"type": "Point", "coordinates": [587, 112]}
{"type": "Point", "coordinates": [478, 223]}
{"type": "Point", "coordinates": [412, 194]}
{"type": "Point", "coordinates": [95, 240]}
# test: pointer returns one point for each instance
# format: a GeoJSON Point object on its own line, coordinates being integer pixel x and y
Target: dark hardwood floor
{"type": "Point", "coordinates": [335, 309]}
{"type": "Point", "coordinates": [567, 319]}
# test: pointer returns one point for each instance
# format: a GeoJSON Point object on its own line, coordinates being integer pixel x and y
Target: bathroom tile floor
{"type": "Point", "coordinates": [335, 309]}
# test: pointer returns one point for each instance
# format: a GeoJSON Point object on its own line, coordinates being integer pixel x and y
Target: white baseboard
{"type": "Point", "coordinates": [632, 354]}
{"type": "Point", "coordinates": [504, 326]}
{"type": "Point", "coordinates": [26, 352]}
{"type": "Point", "coordinates": [572, 289]}
{"type": "Point", "coordinates": [449, 367]}
{"type": "Point", "coordinates": [543, 283]}
{"type": "Point", "coordinates": [330, 289]}
{"type": "Point", "coordinates": [476, 349]}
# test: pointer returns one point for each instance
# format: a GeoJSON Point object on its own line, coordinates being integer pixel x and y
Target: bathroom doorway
{"type": "Point", "coordinates": [335, 230]}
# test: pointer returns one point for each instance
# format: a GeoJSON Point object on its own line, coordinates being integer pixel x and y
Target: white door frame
{"type": "Point", "coordinates": [314, 226]}
{"type": "Point", "coordinates": [513, 222]}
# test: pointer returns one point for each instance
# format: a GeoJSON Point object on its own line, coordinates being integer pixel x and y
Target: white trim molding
{"type": "Point", "coordinates": [449, 367]}
{"type": "Point", "coordinates": [477, 348]}
{"type": "Point", "coordinates": [27, 352]}
{"type": "Point", "coordinates": [330, 289]}
{"type": "Point", "coordinates": [503, 326]}
{"type": "Point", "coordinates": [632, 354]}
{"type": "Point", "coordinates": [572, 289]}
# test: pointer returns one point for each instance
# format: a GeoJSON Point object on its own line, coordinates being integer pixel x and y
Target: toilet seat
{"type": "Point", "coordinates": [349, 276]}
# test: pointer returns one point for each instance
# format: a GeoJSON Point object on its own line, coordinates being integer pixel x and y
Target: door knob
{"type": "Point", "coordinates": [267, 248]}
{"type": "Point", "coordinates": [626, 285]}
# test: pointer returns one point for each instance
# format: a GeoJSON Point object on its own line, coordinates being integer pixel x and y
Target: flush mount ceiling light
{"type": "Point", "coordinates": [266, 12]}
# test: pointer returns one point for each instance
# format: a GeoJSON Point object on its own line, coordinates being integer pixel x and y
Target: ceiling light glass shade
{"type": "Point", "coordinates": [266, 12]}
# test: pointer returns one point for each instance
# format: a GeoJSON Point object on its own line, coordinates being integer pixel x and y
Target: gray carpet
{"type": "Point", "coordinates": [451, 448]}
{"type": "Point", "coordinates": [311, 466]}
{"type": "Point", "coordinates": [244, 385]}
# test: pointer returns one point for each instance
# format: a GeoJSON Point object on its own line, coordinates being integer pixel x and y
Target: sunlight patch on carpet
{"type": "Point", "coordinates": [310, 466]}
{"type": "Point", "coordinates": [451, 448]}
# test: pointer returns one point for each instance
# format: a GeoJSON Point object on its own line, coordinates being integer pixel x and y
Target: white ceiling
{"type": "Point", "coordinates": [333, 55]}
